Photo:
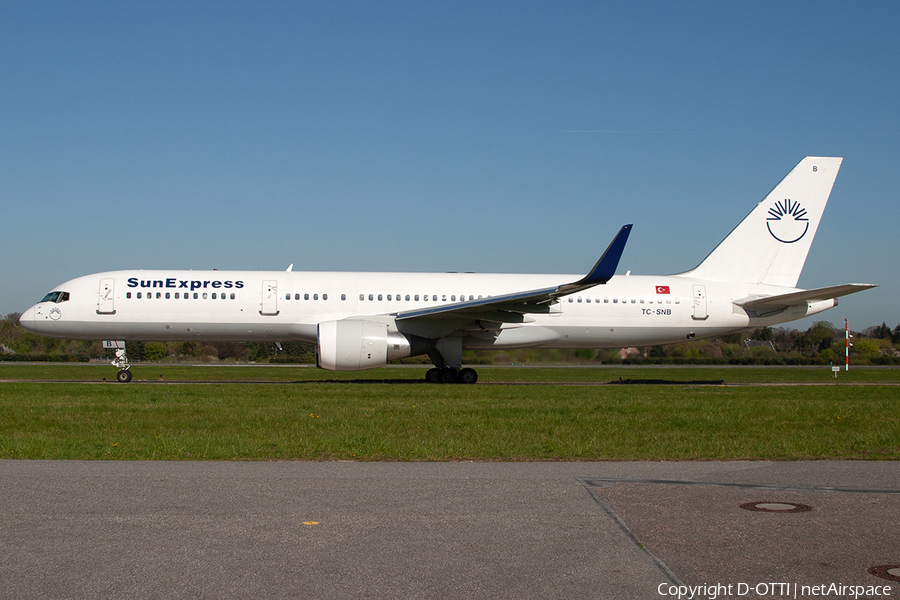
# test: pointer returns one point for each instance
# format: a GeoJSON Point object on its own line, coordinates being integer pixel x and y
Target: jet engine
{"type": "Point", "coordinates": [354, 345]}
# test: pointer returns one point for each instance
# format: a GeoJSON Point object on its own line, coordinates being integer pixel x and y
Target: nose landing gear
{"type": "Point", "coordinates": [121, 360]}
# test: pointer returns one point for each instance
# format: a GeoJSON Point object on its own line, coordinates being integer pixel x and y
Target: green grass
{"type": "Point", "coordinates": [357, 416]}
{"type": "Point", "coordinates": [487, 374]}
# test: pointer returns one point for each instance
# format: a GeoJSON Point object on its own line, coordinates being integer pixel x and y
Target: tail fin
{"type": "Point", "coordinates": [770, 245]}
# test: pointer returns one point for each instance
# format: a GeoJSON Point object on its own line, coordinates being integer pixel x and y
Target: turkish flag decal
{"type": "Point", "coordinates": [662, 289]}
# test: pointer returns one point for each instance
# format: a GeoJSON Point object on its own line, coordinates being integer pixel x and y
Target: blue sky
{"type": "Point", "coordinates": [424, 136]}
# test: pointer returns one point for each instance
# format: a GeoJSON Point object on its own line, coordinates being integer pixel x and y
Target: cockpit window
{"type": "Point", "coordinates": [56, 297]}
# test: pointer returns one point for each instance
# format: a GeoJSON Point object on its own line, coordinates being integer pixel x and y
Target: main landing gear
{"type": "Point", "coordinates": [121, 360]}
{"type": "Point", "coordinates": [450, 375]}
{"type": "Point", "coordinates": [446, 356]}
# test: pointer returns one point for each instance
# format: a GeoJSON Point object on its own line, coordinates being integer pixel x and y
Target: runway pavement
{"type": "Point", "coordinates": [71, 529]}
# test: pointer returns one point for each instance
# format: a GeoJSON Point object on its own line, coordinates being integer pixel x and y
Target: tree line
{"type": "Point", "coordinates": [821, 344]}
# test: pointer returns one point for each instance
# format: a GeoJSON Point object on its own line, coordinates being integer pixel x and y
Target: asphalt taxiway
{"type": "Point", "coordinates": [72, 529]}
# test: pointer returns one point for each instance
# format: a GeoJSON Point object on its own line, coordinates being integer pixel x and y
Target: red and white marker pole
{"type": "Point", "coordinates": [847, 345]}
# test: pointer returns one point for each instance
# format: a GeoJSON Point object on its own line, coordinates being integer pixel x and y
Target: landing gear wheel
{"type": "Point", "coordinates": [123, 376]}
{"type": "Point", "coordinates": [433, 376]}
{"type": "Point", "coordinates": [448, 376]}
{"type": "Point", "coordinates": [468, 376]}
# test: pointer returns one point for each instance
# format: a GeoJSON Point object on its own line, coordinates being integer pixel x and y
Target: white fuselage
{"type": "Point", "coordinates": [364, 320]}
{"type": "Point", "coordinates": [288, 306]}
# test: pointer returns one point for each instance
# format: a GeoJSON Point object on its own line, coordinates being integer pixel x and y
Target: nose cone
{"type": "Point", "coordinates": [27, 319]}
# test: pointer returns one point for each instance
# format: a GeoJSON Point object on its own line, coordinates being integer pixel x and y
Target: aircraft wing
{"type": "Point", "coordinates": [531, 301]}
{"type": "Point", "coordinates": [795, 298]}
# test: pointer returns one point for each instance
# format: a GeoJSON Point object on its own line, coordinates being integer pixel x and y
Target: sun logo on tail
{"type": "Point", "coordinates": [787, 221]}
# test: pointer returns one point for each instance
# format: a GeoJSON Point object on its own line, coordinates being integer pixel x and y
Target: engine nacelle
{"type": "Point", "coordinates": [354, 345]}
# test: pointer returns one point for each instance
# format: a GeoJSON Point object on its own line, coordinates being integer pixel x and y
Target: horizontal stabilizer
{"type": "Point", "coordinates": [802, 297]}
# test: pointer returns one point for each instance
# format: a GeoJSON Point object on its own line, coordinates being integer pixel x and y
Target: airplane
{"type": "Point", "coordinates": [364, 320]}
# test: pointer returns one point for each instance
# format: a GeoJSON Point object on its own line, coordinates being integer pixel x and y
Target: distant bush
{"type": "Point", "coordinates": [155, 351]}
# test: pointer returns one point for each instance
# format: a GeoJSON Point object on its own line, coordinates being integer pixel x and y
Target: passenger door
{"type": "Point", "coordinates": [269, 306]}
{"type": "Point", "coordinates": [106, 300]}
{"type": "Point", "coordinates": [700, 311]}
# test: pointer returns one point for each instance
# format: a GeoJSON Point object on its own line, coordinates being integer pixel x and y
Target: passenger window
{"type": "Point", "coordinates": [196, 295]}
{"type": "Point", "coordinates": [232, 295]}
{"type": "Point", "coordinates": [128, 295]}
{"type": "Point", "coordinates": [315, 296]}
{"type": "Point", "coordinates": [379, 297]}
{"type": "Point", "coordinates": [389, 297]}
{"type": "Point", "coordinates": [343, 296]}
{"type": "Point", "coordinates": [306, 296]}
{"type": "Point", "coordinates": [407, 297]}
{"type": "Point", "coordinates": [167, 295]}
{"type": "Point", "coordinates": [434, 297]}
{"type": "Point", "coordinates": [139, 295]}
{"type": "Point", "coordinates": [324, 296]}
{"type": "Point", "coordinates": [416, 297]}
